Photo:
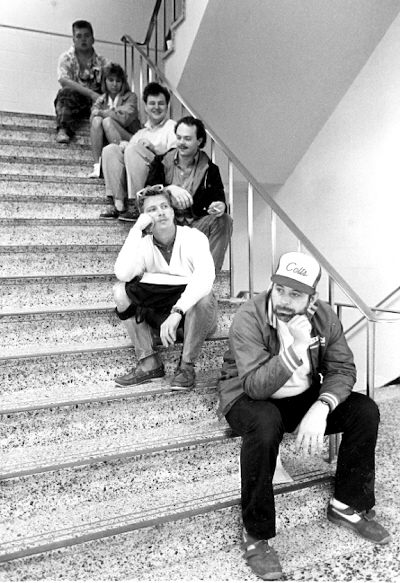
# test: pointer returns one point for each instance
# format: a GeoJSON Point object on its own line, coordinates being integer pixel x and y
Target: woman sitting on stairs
{"type": "Point", "coordinates": [114, 115]}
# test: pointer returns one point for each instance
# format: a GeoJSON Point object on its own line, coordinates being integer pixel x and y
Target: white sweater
{"type": "Point", "coordinates": [191, 263]}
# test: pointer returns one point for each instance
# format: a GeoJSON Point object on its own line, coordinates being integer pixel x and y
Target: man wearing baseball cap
{"type": "Point", "coordinates": [289, 368]}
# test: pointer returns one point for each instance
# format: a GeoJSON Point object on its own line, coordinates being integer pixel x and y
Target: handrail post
{"type": "Point", "coordinates": [273, 242]}
{"type": "Point", "coordinates": [212, 150]}
{"type": "Point", "coordinates": [250, 206]}
{"type": "Point", "coordinates": [230, 201]}
{"type": "Point", "coordinates": [371, 329]}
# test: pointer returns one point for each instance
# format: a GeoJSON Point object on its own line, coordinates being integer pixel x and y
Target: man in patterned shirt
{"type": "Point", "coordinates": [79, 74]}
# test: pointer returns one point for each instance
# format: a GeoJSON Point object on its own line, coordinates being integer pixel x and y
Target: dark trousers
{"type": "Point", "coordinates": [261, 424]}
{"type": "Point", "coordinates": [71, 108]}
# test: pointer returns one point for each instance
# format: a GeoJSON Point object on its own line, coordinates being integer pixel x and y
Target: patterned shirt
{"type": "Point", "coordinates": [68, 66]}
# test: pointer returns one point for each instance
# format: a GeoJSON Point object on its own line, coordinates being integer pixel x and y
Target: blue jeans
{"type": "Point", "coordinates": [200, 322]}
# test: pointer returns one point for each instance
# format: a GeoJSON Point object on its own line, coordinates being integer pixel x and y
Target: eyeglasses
{"type": "Point", "coordinates": [148, 189]}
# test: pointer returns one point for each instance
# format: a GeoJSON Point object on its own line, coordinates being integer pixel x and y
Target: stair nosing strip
{"type": "Point", "coordinates": [161, 515]}
{"type": "Point", "coordinates": [88, 349]}
{"type": "Point", "coordinates": [153, 388]}
{"type": "Point", "coordinates": [95, 456]}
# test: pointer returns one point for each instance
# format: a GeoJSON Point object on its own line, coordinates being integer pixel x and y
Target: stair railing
{"type": "Point", "coordinates": [148, 71]}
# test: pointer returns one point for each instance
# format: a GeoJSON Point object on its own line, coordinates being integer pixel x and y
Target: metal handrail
{"type": "Point", "coordinates": [332, 272]}
{"type": "Point", "coordinates": [375, 309]}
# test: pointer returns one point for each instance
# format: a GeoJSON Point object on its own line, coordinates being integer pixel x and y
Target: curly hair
{"type": "Point", "coordinates": [154, 88]}
{"type": "Point", "coordinates": [201, 133]}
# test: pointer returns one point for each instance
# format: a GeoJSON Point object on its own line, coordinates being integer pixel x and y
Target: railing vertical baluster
{"type": "Point", "coordinates": [133, 71]}
{"type": "Point", "coordinates": [156, 42]}
{"type": "Point", "coordinates": [331, 292]}
{"type": "Point", "coordinates": [230, 202]}
{"type": "Point", "coordinates": [141, 87]}
{"type": "Point", "coordinates": [250, 206]}
{"type": "Point", "coordinates": [371, 329]}
{"type": "Point", "coordinates": [212, 150]}
{"type": "Point", "coordinates": [273, 242]}
{"type": "Point", "coordinates": [174, 10]}
{"type": "Point", "coordinates": [165, 26]}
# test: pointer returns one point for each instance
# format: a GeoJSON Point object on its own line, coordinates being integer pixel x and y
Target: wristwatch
{"type": "Point", "coordinates": [175, 310]}
{"type": "Point", "coordinates": [325, 402]}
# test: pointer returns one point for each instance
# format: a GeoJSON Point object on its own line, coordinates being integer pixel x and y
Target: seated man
{"type": "Point", "coordinates": [126, 165]}
{"type": "Point", "coordinates": [172, 265]}
{"type": "Point", "coordinates": [289, 366]}
{"type": "Point", "coordinates": [79, 74]}
{"type": "Point", "coordinates": [196, 187]}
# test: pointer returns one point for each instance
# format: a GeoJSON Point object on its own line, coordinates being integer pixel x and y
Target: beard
{"type": "Point", "coordinates": [286, 314]}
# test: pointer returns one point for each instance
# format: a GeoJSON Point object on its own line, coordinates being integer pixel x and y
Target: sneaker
{"type": "Point", "coordinates": [139, 377]}
{"type": "Point", "coordinates": [112, 213]}
{"type": "Point", "coordinates": [62, 137]}
{"type": "Point", "coordinates": [184, 378]}
{"type": "Point", "coordinates": [365, 526]}
{"type": "Point", "coordinates": [96, 171]}
{"type": "Point", "coordinates": [129, 215]}
{"type": "Point", "coordinates": [261, 558]}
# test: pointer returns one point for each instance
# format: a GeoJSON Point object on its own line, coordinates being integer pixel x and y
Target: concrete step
{"type": "Point", "coordinates": [24, 293]}
{"type": "Point", "coordinates": [70, 208]}
{"type": "Point", "coordinates": [34, 260]}
{"type": "Point", "coordinates": [64, 370]}
{"type": "Point", "coordinates": [44, 150]}
{"type": "Point", "coordinates": [49, 167]}
{"type": "Point", "coordinates": [67, 232]}
{"type": "Point", "coordinates": [50, 327]}
{"type": "Point", "coordinates": [38, 187]}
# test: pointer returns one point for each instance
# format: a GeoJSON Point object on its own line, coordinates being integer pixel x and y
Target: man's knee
{"type": "Point", "coordinates": [112, 153]}
{"type": "Point", "coordinates": [120, 296]}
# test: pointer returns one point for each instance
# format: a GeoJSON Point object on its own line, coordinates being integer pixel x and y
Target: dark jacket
{"type": "Point", "coordinates": [207, 185]}
{"type": "Point", "coordinates": [254, 366]}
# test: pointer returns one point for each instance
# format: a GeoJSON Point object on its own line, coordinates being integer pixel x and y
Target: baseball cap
{"type": "Point", "coordinates": [298, 271]}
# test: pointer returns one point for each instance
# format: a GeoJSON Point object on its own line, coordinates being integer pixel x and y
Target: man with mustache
{"type": "Point", "coordinates": [195, 184]}
{"type": "Point", "coordinates": [289, 368]}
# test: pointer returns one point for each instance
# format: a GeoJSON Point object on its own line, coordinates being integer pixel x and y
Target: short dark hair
{"type": "Point", "coordinates": [82, 24]}
{"type": "Point", "coordinates": [154, 88]}
{"type": "Point", "coordinates": [149, 192]}
{"type": "Point", "coordinates": [114, 70]}
{"type": "Point", "coordinates": [201, 133]}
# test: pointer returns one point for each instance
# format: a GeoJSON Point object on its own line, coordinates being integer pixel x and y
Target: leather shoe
{"type": "Point", "coordinates": [138, 376]}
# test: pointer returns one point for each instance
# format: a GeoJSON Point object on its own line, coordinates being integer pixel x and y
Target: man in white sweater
{"type": "Point", "coordinates": [157, 253]}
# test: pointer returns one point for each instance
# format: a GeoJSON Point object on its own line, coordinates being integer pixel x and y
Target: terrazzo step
{"type": "Point", "coordinates": [36, 187]}
{"type": "Point", "coordinates": [210, 468]}
{"type": "Point", "coordinates": [67, 232]}
{"type": "Point", "coordinates": [76, 324]}
{"type": "Point", "coordinates": [77, 393]}
{"type": "Point", "coordinates": [44, 135]}
{"type": "Point", "coordinates": [40, 441]}
{"type": "Point", "coordinates": [21, 293]}
{"type": "Point", "coordinates": [71, 208]}
{"type": "Point", "coordinates": [34, 121]}
{"type": "Point", "coordinates": [45, 150]}
{"type": "Point", "coordinates": [189, 543]}
{"type": "Point", "coordinates": [35, 260]}
{"type": "Point", "coordinates": [50, 167]}
{"type": "Point", "coordinates": [62, 370]}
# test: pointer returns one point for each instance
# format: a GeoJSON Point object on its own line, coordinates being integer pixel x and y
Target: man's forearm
{"type": "Point", "coordinates": [65, 82]}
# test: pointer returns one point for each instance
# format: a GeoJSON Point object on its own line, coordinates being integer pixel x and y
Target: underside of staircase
{"type": "Point", "coordinates": [99, 482]}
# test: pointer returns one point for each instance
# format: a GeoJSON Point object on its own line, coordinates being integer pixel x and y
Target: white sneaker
{"type": "Point", "coordinates": [96, 171]}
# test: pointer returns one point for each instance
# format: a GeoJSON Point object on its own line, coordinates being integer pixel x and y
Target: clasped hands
{"type": "Point", "coordinates": [182, 199]}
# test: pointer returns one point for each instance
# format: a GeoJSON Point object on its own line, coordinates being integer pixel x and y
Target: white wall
{"type": "Point", "coordinates": [28, 59]}
{"type": "Point", "coordinates": [345, 192]}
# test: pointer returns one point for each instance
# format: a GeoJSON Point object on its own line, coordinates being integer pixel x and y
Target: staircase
{"type": "Point", "coordinates": [102, 482]}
